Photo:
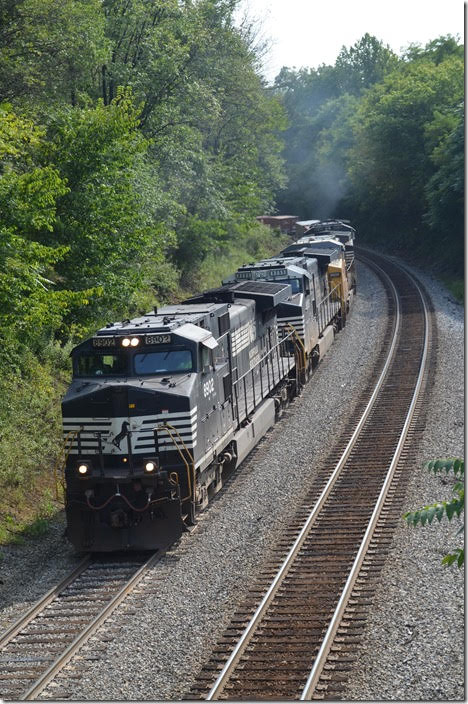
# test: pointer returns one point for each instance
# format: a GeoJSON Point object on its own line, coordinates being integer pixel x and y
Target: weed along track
{"type": "Point", "coordinates": [295, 635]}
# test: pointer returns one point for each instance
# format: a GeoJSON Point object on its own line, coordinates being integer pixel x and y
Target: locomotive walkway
{"type": "Point", "coordinates": [295, 635]}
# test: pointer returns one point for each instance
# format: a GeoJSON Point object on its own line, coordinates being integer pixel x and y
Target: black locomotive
{"type": "Point", "coordinates": [161, 407]}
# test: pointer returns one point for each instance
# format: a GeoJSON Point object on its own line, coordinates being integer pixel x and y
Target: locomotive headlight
{"type": "Point", "coordinates": [83, 469]}
{"type": "Point", "coordinates": [126, 342]}
{"type": "Point", "coordinates": [135, 341]}
{"type": "Point", "coordinates": [150, 467]}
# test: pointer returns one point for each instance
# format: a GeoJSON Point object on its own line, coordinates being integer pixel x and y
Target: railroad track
{"type": "Point", "coordinates": [296, 634]}
{"type": "Point", "coordinates": [37, 646]}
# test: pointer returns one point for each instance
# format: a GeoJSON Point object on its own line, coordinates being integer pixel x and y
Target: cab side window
{"type": "Point", "coordinates": [206, 358]}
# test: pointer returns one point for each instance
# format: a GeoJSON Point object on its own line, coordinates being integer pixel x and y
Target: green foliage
{"type": "Point", "coordinates": [443, 509]}
{"type": "Point", "coordinates": [365, 63]}
{"type": "Point", "coordinates": [391, 157]}
{"type": "Point", "coordinates": [214, 151]}
{"type": "Point", "coordinates": [456, 286]}
{"type": "Point", "coordinates": [50, 51]}
{"type": "Point", "coordinates": [30, 306]}
{"type": "Point", "coordinates": [458, 556]}
{"type": "Point", "coordinates": [457, 466]}
{"type": "Point", "coordinates": [137, 146]}
{"type": "Point", "coordinates": [250, 243]}
{"type": "Point", "coordinates": [380, 139]}
{"type": "Point", "coordinates": [435, 51]}
{"type": "Point", "coordinates": [30, 408]}
{"type": "Point", "coordinates": [321, 105]}
{"type": "Point", "coordinates": [444, 191]}
{"type": "Point", "coordinates": [109, 237]}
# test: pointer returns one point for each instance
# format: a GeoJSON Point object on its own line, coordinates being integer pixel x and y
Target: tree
{"type": "Point", "coordinates": [213, 149]}
{"type": "Point", "coordinates": [31, 307]}
{"type": "Point", "coordinates": [105, 223]}
{"type": "Point", "coordinates": [444, 191]}
{"type": "Point", "coordinates": [320, 105]}
{"type": "Point", "coordinates": [436, 50]}
{"type": "Point", "coordinates": [50, 51]}
{"type": "Point", "coordinates": [441, 509]}
{"type": "Point", "coordinates": [391, 160]}
{"type": "Point", "coordinates": [365, 63]}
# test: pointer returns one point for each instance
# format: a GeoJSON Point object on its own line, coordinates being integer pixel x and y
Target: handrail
{"type": "Point", "coordinates": [190, 479]}
{"type": "Point", "coordinates": [62, 460]}
{"type": "Point", "coordinates": [328, 295]}
{"type": "Point", "coordinates": [278, 344]}
{"type": "Point", "coordinates": [268, 358]}
{"type": "Point", "coordinates": [327, 304]}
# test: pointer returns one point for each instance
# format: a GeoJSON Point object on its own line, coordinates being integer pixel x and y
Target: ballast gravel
{"type": "Point", "coordinates": [414, 647]}
{"type": "Point", "coordinates": [165, 633]}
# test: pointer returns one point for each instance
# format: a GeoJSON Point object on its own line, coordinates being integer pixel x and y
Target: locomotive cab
{"type": "Point", "coordinates": [299, 312]}
{"type": "Point", "coordinates": [131, 425]}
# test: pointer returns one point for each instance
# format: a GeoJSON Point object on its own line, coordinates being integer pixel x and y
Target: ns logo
{"type": "Point", "coordinates": [208, 387]}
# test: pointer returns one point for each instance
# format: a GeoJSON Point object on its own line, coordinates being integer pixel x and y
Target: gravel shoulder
{"type": "Point", "coordinates": [169, 630]}
{"type": "Point", "coordinates": [30, 568]}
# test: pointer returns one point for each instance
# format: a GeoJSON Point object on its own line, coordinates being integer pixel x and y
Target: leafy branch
{"type": "Point", "coordinates": [439, 509]}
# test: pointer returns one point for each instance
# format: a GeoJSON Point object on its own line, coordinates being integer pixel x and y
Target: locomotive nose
{"type": "Point", "coordinates": [96, 400]}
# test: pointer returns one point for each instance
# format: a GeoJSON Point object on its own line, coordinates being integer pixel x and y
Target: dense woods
{"type": "Point", "coordinates": [138, 142]}
{"type": "Point", "coordinates": [379, 138]}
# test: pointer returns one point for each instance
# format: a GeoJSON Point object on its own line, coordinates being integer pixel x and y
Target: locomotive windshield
{"type": "Point", "coordinates": [296, 285]}
{"type": "Point", "coordinates": [163, 362]}
{"type": "Point", "coordinates": [95, 364]}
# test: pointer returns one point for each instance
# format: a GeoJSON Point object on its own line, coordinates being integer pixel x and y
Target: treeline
{"type": "Point", "coordinates": [379, 138]}
{"type": "Point", "coordinates": [137, 145]}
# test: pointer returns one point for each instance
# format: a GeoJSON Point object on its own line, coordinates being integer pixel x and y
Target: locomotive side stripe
{"type": "Point", "coordinates": [164, 440]}
{"type": "Point", "coordinates": [181, 426]}
{"type": "Point", "coordinates": [140, 450]}
{"type": "Point", "coordinates": [143, 448]}
{"type": "Point", "coordinates": [142, 432]}
{"type": "Point", "coordinates": [96, 423]}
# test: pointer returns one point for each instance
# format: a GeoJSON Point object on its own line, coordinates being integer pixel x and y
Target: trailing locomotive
{"type": "Point", "coordinates": [161, 407]}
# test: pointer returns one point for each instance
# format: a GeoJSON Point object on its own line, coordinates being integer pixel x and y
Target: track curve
{"type": "Point", "coordinates": [280, 652]}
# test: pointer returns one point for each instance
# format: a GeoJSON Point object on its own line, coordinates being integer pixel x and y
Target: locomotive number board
{"type": "Point", "coordinates": [103, 341]}
{"type": "Point", "coordinates": [157, 339]}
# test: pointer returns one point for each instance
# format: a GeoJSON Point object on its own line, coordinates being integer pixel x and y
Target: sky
{"type": "Point", "coordinates": [312, 32]}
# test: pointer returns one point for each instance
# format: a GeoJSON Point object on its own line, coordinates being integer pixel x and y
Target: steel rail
{"type": "Point", "coordinates": [241, 645]}
{"type": "Point", "coordinates": [327, 642]}
{"type": "Point", "coordinates": [41, 604]}
{"type": "Point", "coordinates": [70, 651]}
